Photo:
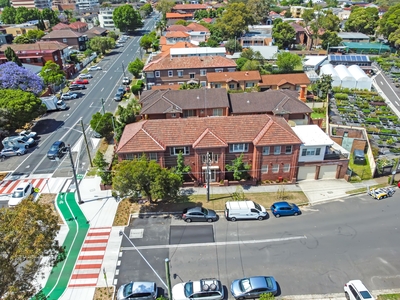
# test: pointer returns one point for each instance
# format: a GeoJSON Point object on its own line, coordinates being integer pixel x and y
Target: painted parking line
{"type": "Point", "coordinates": [78, 228]}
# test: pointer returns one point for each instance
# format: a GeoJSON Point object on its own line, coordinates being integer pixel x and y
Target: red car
{"type": "Point", "coordinates": [81, 81]}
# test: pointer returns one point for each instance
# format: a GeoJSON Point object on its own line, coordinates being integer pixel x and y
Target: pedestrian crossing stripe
{"type": "Point", "coordinates": [40, 185]}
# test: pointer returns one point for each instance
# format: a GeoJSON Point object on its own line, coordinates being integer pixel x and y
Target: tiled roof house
{"type": "Point", "coordinates": [239, 80]}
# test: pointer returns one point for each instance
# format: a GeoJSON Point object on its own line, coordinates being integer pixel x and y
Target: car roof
{"type": "Point", "coordinates": [281, 204]}
{"type": "Point", "coordinates": [142, 287]}
{"type": "Point", "coordinates": [57, 143]}
{"type": "Point", "coordinates": [358, 285]}
{"type": "Point", "coordinates": [194, 209]}
{"type": "Point", "coordinates": [22, 185]}
{"type": "Point", "coordinates": [258, 282]}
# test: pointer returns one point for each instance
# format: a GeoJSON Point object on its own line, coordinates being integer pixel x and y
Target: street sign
{"type": "Point", "coordinates": [79, 176]}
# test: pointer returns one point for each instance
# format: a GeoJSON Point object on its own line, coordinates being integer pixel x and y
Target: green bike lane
{"type": "Point", "coordinates": [78, 228]}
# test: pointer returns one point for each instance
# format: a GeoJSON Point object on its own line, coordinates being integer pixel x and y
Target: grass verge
{"type": "Point", "coordinates": [102, 293]}
{"type": "Point", "coordinates": [389, 297]}
{"type": "Point", "coordinates": [360, 190]}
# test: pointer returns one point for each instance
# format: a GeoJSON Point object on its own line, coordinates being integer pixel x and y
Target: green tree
{"type": "Point", "coordinates": [8, 15]}
{"type": "Point", "coordinates": [251, 65]}
{"type": "Point", "coordinates": [52, 15]}
{"type": "Point", "coordinates": [28, 234]}
{"type": "Point", "coordinates": [190, 86]}
{"type": "Point", "coordinates": [330, 22]}
{"type": "Point", "coordinates": [135, 67]}
{"type": "Point", "coordinates": [283, 34]}
{"type": "Point", "coordinates": [239, 168]}
{"type": "Point", "coordinates": [308, 16]}
{"type": "Point", "coordinates": [394, 38]}
{"type": "Point", "coordinates": [390, 23]}
{"type": "Point", "coordinates": [52, 74]}
{"type": "Point", "coordinates": [146, 176]}
{"type": "Point", "coordinates": [35, 34]}
{"type": "Point", "coordinates": [24, 14]}
{"type": "Point", "coordinates": [11, 56]}
{"type": "Point", "coordinates": [147, 9]}
{"type": "Point", "coordinates": [146, 42]}
{"type": "Point", "coordinates": [19, 107]}
{"type": "Point", "coordinates": [165, 6]}
{"type": "Point", "coordinates": [324, 85]}
{"type": "Point", "coordinates": [181, 169]}
{"type": "Point", "coordinates": [113, 35]}
{"type": "Point", "coordinates": [236, 19]}
{"type": "Point", "coordinates": [126, 18]}
{"type": "Point", "coordinates": [22, 39]}
{"type": "Point", "coordinates": [101, 44]}
{"type": "Point", "coordinates": [330, 39]}
{"type": "Point", "coordinates": [287, 62]}
{"type": "Point", "coordinates": [102, 124]}
{"type": "Point", "coordinates": [4, 3]}
{"type": "Point", "coordinates": [240, 62]}
{"type": "Point", "coordinates": [232, 46]}
{"type": "Point", "coordinates": [182, 22]}
{"type": "Point", "coordinates": [363, 20]}
{"type": "Point", "coordinates": [261, 9]}
{"type": "Point", "coordinates": [99, 161]}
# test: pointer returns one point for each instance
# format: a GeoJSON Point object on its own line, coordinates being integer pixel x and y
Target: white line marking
{"type": "Point", "coordinates": [110, 77]}
{"type": "Point", "coordinates": [102, 89]}
{"type": "Point", "coordinates": [381, 83]}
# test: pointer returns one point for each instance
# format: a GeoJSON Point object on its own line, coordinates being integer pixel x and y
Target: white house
{"type": "Point", "coordinates": [105, 17]}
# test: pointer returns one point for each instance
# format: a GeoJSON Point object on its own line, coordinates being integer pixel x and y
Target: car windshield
{"type": "Point", "coordinates": [188, 289]}
{"type": "Point", "coordinates": [204, 211]}
{"type": "Point", "coordinates": [245, 285]}
{"type": "Point", "coordinates": [257, 206]}
{"type": "Point", "coordinates": [54, 148]}
{"type": "Point", "coordinates": [17, 195]}
{"type": "Point", "coordinates": [268, 280]}
{"type": "Point", "coordinates": [365, 294]}
{"type": "Point", "coordinates": [24, 138]}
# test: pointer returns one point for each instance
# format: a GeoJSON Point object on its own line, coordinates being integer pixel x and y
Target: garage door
{"type": "Point", "coordinates": [327, 172]}
{"type": "Point", "coordinates": [306, 173]}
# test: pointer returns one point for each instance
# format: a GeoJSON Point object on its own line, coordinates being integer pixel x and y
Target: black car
{"type": "Point", "coordinates": [56, 150]}
{"type": "Point", "coordinates": [199, 214]}
{"type": "Point", "coordinates": [74, 87]}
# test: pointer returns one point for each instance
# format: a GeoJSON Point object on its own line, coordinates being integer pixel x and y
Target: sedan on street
{"type": "Point", "coordinates": [69, 96]}
{"type": "Point", "coordinates": [74, 87]}
{"type": "Point", "coordinates": [94, 68]}
{"type": "Point", "coordinates": [80, 81]}
{"type": "Point", "coordinates": [139, 290]}
{"type": "Point", "coordinates": [285, 209]}
{"type": "Point", "coordinates": [85, 76]}
{"type": "Point", "coordinates": [199, 214]}
{"type": "Point", "coordinates": [253, 287]}
{"type": "Point", "coordinates": [118, 96]}
{"type": "Point", "coordinates": [14, 151]}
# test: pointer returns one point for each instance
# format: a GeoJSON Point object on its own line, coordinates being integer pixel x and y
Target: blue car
{"type": "Point", "coordinates": [285, 209]}
{"type": "Point", "coordinates": [253, 287]}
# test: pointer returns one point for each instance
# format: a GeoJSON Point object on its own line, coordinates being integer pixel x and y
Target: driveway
{"type": "Point", "coordinates": [323, 190]}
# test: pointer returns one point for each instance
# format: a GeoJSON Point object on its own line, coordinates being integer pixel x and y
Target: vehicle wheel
{"type": "Point", "coordinates": [188, 220]}
{"type": "Point", "coordinates": [260, 218]}
{"type": "Point", "coordinates": [296, 214]}
{"type": "Point", "coordinates": [240, 298]}
{"type": "Point", "coordinates": [18, 154]}
{"type": "Point", "coordinates": [277, 215]}
{"type": "Point", "coordinates": [346, 295]}
{"type": "Point", "coordinates": [209, 220]}
{"type": "Point", "coordinates": [26, 147]}
{"type": "Point", "coordinates": [233, 219]}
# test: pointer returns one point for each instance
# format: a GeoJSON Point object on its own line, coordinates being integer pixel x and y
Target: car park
{"type": "Point", "coordinates": [199, 214]}
{"type": "Point", "coordinates": [207, 289]}
{"type": "Point", "coordinates": [80, 81]}
{"type": "Point", "coordinates": [74, 87]}
{"type": "Point", "coordinates": [94, 68]}
{"type": "Point", "coordinates": [13, 151]}
{"type": "Point", "coordinates": [356, 290]}
{"type": "Point", "coordinates": [68, 96]}
{"type": "Point", "coordinates": [118, 96]}
{"type": "Point", "coordinates": [139, 290]}
{"type": "Point", "coordinates": [253, 287]}
{"type": "Point", "coordinates": [85, 76]}
{"type": "Point", "coordinates": [23, 191]}
{"type": "Point", "coordinates": [285, 209]}
{"type": "Point", "coordinates": [56, 150]}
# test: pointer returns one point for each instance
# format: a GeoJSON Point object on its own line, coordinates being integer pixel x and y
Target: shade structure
{"type": "Point", "coordinates": [347, 80]}
{"type": "Point", "coordinates": [328, 69]}
{"type": "Point", "coordinates": [363, 81]}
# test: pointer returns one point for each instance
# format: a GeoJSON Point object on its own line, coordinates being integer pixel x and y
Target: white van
{"type": "Point", "coordinates": [238, 210]}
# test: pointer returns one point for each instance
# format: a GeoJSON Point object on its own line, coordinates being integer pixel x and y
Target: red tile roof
{"type": "Point", "coordinates": [176, 34]}
{"type": "Point", "coordinates": [78, 25]}
{"type": "Point", "coordinates": [281, 79]}
{"type": "Point", "coordinates": [189, 6]}
{"type": "Point", "coordinates": [38, 46]}
{"type": "Point", "coordinates": [233, 76]}
{"type": "Point", "coordinates": [178, 15]}
{"type": "Point", "coordinates": [166, 48]}
{"type": "Point", "coordinates": [60, 26]}
{"type": "Point", "coordinates": [177, 28]}
{"type": "Point", "coordinates": [192, 62]}
{"type": "Point", "coordinates": [157, 135]}
{"type": "Point", "coordinates": [197, 27]}
{"type": "Point", "coordinates": [207, 20]}
{"type": "Point", "coordinates": [58, 34]}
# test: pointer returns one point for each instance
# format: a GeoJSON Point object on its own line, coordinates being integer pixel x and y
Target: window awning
{"type": "Point", "coordinates": [211, 168]}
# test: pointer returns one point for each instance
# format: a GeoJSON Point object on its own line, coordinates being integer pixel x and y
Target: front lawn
{"type": "Point", "coordinates": [389, 297]}
{"type": "Point", "coordinates": [362, 171]}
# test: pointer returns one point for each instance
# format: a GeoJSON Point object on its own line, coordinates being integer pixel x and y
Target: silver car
{"type": "Point", "coordinates": [140, 290]}
{"type": "Point", "coordinates": [253, 287]}
{"type": "Point", "coordinates": [12, 151]}
{"type": "Point", "coordinates": [204, 289]}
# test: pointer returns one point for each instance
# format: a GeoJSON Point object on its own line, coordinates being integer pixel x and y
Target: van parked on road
{"type": "Point", "coordinates": [241, 210]}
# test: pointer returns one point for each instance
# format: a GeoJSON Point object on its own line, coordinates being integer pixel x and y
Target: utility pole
{"type": "Point", "coordinates": [74, 174]}
{"type": "Point", "coordinates": [208, 176]}
{"type": "Point", "coordinates": [86, 143]}
{"type": "Point", "coordinates": [102, 105]}
{"type": "Point", "coordinates": [123, 69]}
{"type": "Point", "coordinates": [168, 276]}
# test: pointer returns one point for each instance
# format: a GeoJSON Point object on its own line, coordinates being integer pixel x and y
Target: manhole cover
{"type": "Point", "coordinates": [136, 233]}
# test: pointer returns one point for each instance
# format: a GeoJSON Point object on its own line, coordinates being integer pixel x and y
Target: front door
{"type": "Point", "coordinates": [213, 175]}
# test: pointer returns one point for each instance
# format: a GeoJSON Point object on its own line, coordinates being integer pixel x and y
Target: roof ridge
{"type": "Point", "coordinates": [289, 132]}
{"type": "Point", "coordinates": [150, 136]}
{"type": "Point", "coordinates": [263, 131]}
{"type": "Point", "coordinates": [205, 132]}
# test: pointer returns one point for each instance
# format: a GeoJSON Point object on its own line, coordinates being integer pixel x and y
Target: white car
{"type": "Point", "coordinates": [356, 290]}
{"type": "Point", "coordinates": [23, 191]}
{"type": "Point", "coordinates": [69, 96]}
{"type": "Point", "coordinates": [85, 76]}
{"type": "Point", "coordinates": [28, 134]}
{"type": "Point", "coordinates": [207, 289]}
{"type": "Point", "coordinates": [94, 68]}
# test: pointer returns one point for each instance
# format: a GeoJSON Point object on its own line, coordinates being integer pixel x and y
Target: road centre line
{"type": "Point", "coordinates": [214, 244]}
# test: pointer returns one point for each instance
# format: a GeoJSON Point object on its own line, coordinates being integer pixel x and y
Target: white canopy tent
{"type": "Point", "coordinates": [363, 81]}
{"type": "Point", "coordinates": [348, 81]}
{"type": "Point", "coordinates": [329, 70]}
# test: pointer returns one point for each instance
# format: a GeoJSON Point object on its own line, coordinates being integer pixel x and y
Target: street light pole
{"type": "Point", "coordinates": [74, 174]}
{"type": "Point", "coordinates": [86, 143]}
{"type": "Point", "coordinates": [102, 105]}
{"type": "Point", "coordinates": [208, 176]}
{"type": "Point", "coordinates": [168, 276]}
{"type": "Point", "coordinates": [123, 69]}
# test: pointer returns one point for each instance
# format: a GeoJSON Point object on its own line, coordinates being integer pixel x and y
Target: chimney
{"type": "Point", "coordinates": [303, 92]}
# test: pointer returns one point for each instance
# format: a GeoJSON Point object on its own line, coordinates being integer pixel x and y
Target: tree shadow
{"type": "Point", "coordinates": [45, 126]}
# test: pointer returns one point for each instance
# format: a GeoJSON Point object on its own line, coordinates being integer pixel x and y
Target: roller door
{"type": "Point", "coordinates": [327, 172]}
{"type": "Point", "coordinates": [306, 173]}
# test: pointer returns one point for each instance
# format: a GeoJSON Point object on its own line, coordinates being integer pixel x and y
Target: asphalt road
{"type": "Point", "coordinates": [389, 89]}
{"type": "Point", "coordinates": [65, 125]}
{"type": "Point", "coordinates": [315, 253]}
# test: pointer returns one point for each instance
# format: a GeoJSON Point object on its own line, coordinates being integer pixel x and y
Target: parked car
{"type": "Point", "coordinates": [81, 81]}
{"type": "Point", "coordinates": [285, 209]}
{"type": "Point", "coordinates": [126, 80]}
{"type": "Point", "coordinates": [253, 287]}
{"type": "Point", "coordinates": [139, 290]}
{"type": "Point", "coordinates": [56, 150]}
{"type": "Point", "coordinates": [14, 151]}
{"type": "Point", "coordinates": [94, 68]}
{"type": "Point", "coordinates": [121, 89]}
{"type": "Point", "coordinates": [356, 290]}
{"type": "Point", "coordinates": [29, 134]}
{"type": "Point", "coordinates": [74, 87]}
{"type": "Point", "coordinates": [69, 96]}
{"type": "Point", "coordinates": [119, 45]}
{"type": "Point", "coordinates": [85, 76]}
{"type": "Point", "coordinates": [199, 214]}
{"type": "Point", "coordinates": [209, 289]}
{"type": "Point", "coordinates": [118, 96]}
{"type": "Point", "coordinates": [23, 191]}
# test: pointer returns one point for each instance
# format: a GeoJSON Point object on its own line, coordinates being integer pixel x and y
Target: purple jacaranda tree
{"type": "Point", "coordinates": [18, 78]}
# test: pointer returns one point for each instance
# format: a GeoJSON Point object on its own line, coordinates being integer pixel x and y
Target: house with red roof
{"type": "Point", "coordinates": [79, 26]}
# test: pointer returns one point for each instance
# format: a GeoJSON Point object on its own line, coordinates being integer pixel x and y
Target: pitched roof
{"type": "Point", "coordinates": [166, 48]}
{"type": "Point", "coordinates": [197, 27]}
{"type": "Point", "coordinates": [271, 101]}
{"type": "Point", "coordinates": [208, 20]}
{"type": "Point", "coordinates": [177, 28]}
{"type": "Point", "coordinates": [178, 15]}
{"type": "Point", "coordinates": [192, 62]}
{"type": "Point", "coordinates": [57, 34]}
{"type": "Point", "coordinates": [38, 46]}
{"type": "Point", "coordinates": [176, 34]}
{"type": "Point", "coordinates": [161, 101]}
{"type": "Point", "coordinates": [233, 76]}
{"type": "Point", "coordinates": [174, 87]}
{"type": "Point", "coordinates": [157, 135]}
{"type": "Point", "coordinates": [297, 27]}
{"type": "Point", "coordinates": [78, 24]}
{"type": "Point", "coordinates": [281, 79]}
{"type": "Point", "coordinates": [96, 30]}
{"type": "Point", "coordinates": [189, 6]}
{"type": "Point", "coordinates": [60, 26]}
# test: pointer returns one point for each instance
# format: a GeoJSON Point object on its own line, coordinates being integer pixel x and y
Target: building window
{"type": "Point", "coordinates": [170, 73]}
{"type": "Point", "coordinates": [286, 168]}
{"type": "Point", "coordinates": [277, 150]}
{"type": "Point", "coordinates": [173, 115]}
{"type": "Point", "coordinates": [219, 70]}
{"type": "Point", "coordinates": [153, 156]}
{"type": "Point", "coordinates": [311, 152]}
{"type": "Point", "coordinates": [218, 86]}
{"type": "Point", "coordinates": [203, 83]}
{"type": "Point", "coordinates": [288, 150]}
{"type": "Point", "coordinates": [157, 73]}
{"type": "Point", "coordinates": [65, 40]}
{"type": "Point", "coordinates": [180, 83]}
{"type": "Point", "coordinates": [191, 75]}
{"type": "Point", "coordinates": [212, 157]}
{"type": "Point", "coordinates": [203, 72]}
{"type": "Point", "coordinates": [129, 156]}
{"type": "Point", "coordinates": [249, 84]}
{"type": "Point", "coordinates": [176, 150]}
{"type": "Point", "coordinates": [217, 112]}
{"type": "Point", "coordinates": [180, 73]}
{"type": "Point", "coordinates": [188, 113]}
{"type": "Point", "coordinates": [232, 86]}
{"type": "Point", "coordinates": [275, 168]}
{"type": "Point", "coordinates": [55, 58]}
{"type": "Point", "coordinates": [231, 69]}
{"type": "Point", "coordinates": [264, 169]}
{"type": "Point", "coordinates": [238, 148]}
{"type": "Point", "coordinates": [265, 150]}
